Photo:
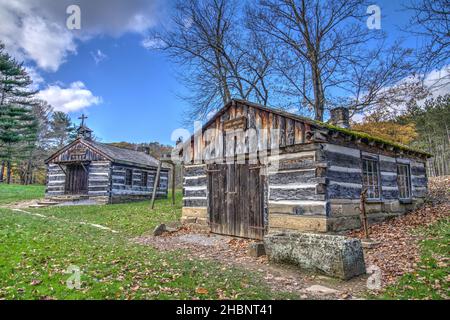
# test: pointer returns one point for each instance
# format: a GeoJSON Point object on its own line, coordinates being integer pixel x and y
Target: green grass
{"type": "Point", "coordinates": [36, 252]}
{"type": "Point", "coordinates": [132, 219]}
{"type": "Point", "coordinates": [10, 193]}
{"type": "Point", "coordinates": [431, 279]}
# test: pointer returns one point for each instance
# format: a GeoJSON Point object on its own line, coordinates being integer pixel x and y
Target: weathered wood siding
{"type": "Point", "coordinates": [259, 134]}
{"type": "Point", "coordinates": [78, 152]}
{"type": "Point", "coordinates": [56, 180]}
{"type": "Point", "coordinates": [121, 192]}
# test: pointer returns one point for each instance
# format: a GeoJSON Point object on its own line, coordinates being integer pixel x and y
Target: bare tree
{"type": "Point", "coordinates": [326, 53]}
{"type": "Point", "coordinates": [430, 24]}
{"type": "Point", "coordinates": [211, 43]}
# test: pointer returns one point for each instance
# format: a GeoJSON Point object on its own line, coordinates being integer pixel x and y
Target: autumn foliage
{"type": "Point", "coordinates": [388, 130]}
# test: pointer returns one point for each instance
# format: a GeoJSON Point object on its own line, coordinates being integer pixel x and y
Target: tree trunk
{"type": "Point", "coordinates": [2, 170]}
{"type": "Point", "coordinates": [319, 97]}
{"type": "Point", "coordinates": [8, 172]}
{"type": "Point", "coordinates": [29, 170]}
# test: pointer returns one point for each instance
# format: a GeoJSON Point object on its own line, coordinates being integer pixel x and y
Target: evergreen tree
{"type": "Point", "coordinates": [62, 129]}
{"type": "Point", "coordinates": [18, 124]}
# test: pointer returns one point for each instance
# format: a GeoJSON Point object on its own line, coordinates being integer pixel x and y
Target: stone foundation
{"type": "Point", "coordinates": [194, 215]}
{"type": "Point", "coordinates": [345, 215]}
{"type": "Point", "coordinates": [336, 256]}
{"type": "Point", "coordinates": [287, 222]}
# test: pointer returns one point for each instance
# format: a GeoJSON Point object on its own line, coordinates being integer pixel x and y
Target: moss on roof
{"type": "Point", "coordinates": [363, 135]}
{"type": "Point", "coordinates": [356, 134]}
{"type": "Point", "coordinates": [319, 124]}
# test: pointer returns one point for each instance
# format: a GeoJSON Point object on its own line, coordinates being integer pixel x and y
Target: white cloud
{"type": "Point", "coordinates": [35, 77]}
{"type": "Point", "coordinates": [31, 37]}
{"type": "Point", "coordinates": [437, 82]}
{"type": "Point", "coordinates": [36, 30]}
{"type": "Point", "coordinates": [72, 98]}
{"type": "Point", "coordinates": [152, 43]}
{"type": "Point", "coordinates": [98, 56]}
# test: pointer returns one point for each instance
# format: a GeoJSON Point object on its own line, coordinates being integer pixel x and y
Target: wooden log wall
{"type": "Point", "coordinates": [99, 178]}
{"type": "Point", "coordinates": [295, 184]}
{"type": "Point", "coordinates": [195, 186]}
{"type": "Point", "coordinates": [311, 175]}
{"type": "Point", "coordinates": [419, 179]}
{"type": "Point", "coordinates": [119, 189]}
{"type": "Point", "coordinates": [56, 180]}
{"type": "Point", "coordinates": [344, 175]}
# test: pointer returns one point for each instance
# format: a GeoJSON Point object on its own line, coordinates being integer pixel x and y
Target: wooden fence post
{"type": "Point", "coordinates": [363, 214]}
{"type": "Point", "coordinates": [155, 185]}
{"type": "Point", "coordinates": [173, 183]}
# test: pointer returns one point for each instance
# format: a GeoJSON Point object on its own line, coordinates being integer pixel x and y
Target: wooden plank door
{"type": "Point", "coordinates": [235, 200]}
{"type": "Point", "coordinates": [76, 180]}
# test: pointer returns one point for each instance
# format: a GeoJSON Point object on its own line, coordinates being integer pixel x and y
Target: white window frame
{"type": "Point", "coordinates": [368, 179]}
{"type": "Point", "coordinates": [407, 183]}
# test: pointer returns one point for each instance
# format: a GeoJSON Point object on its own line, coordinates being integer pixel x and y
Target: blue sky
{"type": "Point", "coordinates": [137, 86]}
{"type": "Point", "coordinates": [128, 92]}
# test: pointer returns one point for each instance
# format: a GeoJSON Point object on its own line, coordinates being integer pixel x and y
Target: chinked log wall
{"type": "Point", "coordinates": [122, 193]}
{"type": "Point", "coordinates": [98, 183]}
{"type": "Point", "coordinates": [344, 185]}
{"type": "Point", "coordinates": [296, 191]}
{"type": "Point", "coordinates": [56, 181]}
{"type": "Point", "coordinates": [195, 193]}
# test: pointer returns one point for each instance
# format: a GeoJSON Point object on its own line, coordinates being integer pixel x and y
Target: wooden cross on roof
{"type": "Point", "coordinates": [82, 118]}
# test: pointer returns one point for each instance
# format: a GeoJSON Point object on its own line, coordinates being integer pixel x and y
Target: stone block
{"type": "Point", "coordinates": [159, 230]}
{"type": "Point", "coordinates": [256, 249]}
{"type": "Point", "coordinates": [335, 256]}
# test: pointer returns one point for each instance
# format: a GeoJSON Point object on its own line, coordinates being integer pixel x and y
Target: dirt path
{"type": "Point", "coordinates": [233, 252]}
{"type": "Point", "coordinates": [94, 225]}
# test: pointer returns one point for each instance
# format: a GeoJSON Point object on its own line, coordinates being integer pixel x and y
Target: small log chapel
{"type": "Point", "coordinates": [87, 169]}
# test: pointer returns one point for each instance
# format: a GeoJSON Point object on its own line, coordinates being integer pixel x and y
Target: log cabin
{"type": "Point", "coordinates": [252, 170]}
{"type": "Point", "coordinates": [87, 169]}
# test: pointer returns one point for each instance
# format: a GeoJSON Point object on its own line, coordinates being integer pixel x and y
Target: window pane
{"type": "Point", "coordinates": [371, 178]}
{"type": "Point", "coordinates": [403, 181]}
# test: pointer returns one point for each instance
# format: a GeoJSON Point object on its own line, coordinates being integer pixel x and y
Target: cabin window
{"type": "Point", "coordinates": [144, 178]}
{"type": "Point", "coordinates": [404, 181]}
{"type": "Point", "coordinates": [128, 177]}
{"type": "Point", "coordinates": [371, 178]}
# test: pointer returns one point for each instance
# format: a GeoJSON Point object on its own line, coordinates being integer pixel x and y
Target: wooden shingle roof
{"type": "Point", "coordinates": [112, 153]}
{"type": "Point", "coordinates": [123, 155]}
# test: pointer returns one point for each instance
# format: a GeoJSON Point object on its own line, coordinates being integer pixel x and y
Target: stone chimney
{"type": "Point", "coordinates": [340, 117]}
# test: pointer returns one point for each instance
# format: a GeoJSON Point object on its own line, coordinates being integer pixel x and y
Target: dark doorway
{"type": "Point", "coordinates": [235, 205]}
{"type": "Point", "coordinates": [76, 179]}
